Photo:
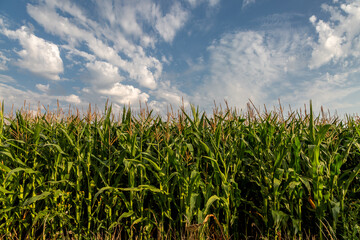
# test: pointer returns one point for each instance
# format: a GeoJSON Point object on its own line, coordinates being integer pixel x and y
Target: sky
{"type": "Point", "coordinates": [180, 52]}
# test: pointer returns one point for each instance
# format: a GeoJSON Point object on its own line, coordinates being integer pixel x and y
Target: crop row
{"type": "Point", "coordinates": [229, 176]}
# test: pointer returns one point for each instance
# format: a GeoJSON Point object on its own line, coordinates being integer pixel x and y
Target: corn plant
{"type": "Point", "coordinates": [233, 175]}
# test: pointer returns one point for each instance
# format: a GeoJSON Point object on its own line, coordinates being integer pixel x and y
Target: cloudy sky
{"type": "Point", "coordinates": [163, 51]}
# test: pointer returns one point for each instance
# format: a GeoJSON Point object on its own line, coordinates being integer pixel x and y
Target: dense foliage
{"type": "Point", "coordinates": [229, 176]}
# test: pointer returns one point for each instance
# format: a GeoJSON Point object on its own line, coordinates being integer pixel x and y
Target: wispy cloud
{"type": "Point", "coordinates": [168, 25]}
{"type": "Point", "coordinates": [6, 79]}
{"type": "Point", "coordinates": [17, 96]}
{"type": "Point", "coordinates": [3, 62]}
{"type": "Point", "coordinates": [247, 3]}
{"type": "Point", "coordinates": [331, 91]}
{"type": "Point", "coordinates": [248, 65]}
{"type": "Point", "coordinates": [278, 62]}
{"type": "Point", "coordinates": [131, 16]}
{"type": "Point", "coordinates": [42, 87]}
{"type": "Point", "coordinates": [110, 48]}
{"type": "Point", "coordinates": [127, 51]}
{"type": "Point", "coordinates": [136, 64]}
{"type": "Point", "coordinates": [195, 3]}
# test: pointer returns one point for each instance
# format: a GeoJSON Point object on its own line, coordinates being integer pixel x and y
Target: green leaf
{"type": "Point", "coordinates": [152, 163]}
{"type": "Point", "coordinates": [26, 170]}
{"type": "Point", "coordinates": [68, 137]}
{"type": "Point", "coordinates": [36, 198]}
{"type": "Point", "coordinates": [4, 168]}
{"type": "Point", "coordinates": [279, 217]}
{"type": "Point", "coordinates": [209, 203]}
{"type": "Point", "coordinates": [3, 190]}
{"type": "Point", "coordinates": [306, 181]}
{"type": "Point", "coordinates": [101, 191]}
{"type": "Point", "coordinates": [56, 146]}
{"type": "Point", "coordinates": [150, 188]}
{"type": "Point", "coordinates": [205, 147]}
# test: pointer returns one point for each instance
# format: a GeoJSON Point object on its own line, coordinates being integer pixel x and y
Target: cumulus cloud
{"type": "Point", "coordinates": [105, 81]}
{"type": "Point", "coordinates": [38, 55]}
{"type": "Point", "coordinates": [114, 45]}
{"type": "Point", "coordinates": [72, 99]}
{"type": "Point", "coordinates": [125, 94]}
{"type": "Point", "coordinates": [339, 37]}
{"type": "Point", "coordinates": [103, 74]}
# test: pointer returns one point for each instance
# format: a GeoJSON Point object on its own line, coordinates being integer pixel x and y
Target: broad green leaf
{"type": "Point", "coordinates": [209, 203]}
{"type": "Point", "coordinates": [36, 198]}
{"type": "Point", "coordinates": [26, 170]}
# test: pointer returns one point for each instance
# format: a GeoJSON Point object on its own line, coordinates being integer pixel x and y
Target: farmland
{"type": "Point", "coordinates": [257, 175]}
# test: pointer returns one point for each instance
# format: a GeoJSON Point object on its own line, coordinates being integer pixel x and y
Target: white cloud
{"type": "Point", "coordinates": [74, 99]}
{"type": "Point", "coordinates": [130, 17]}
{"type": "Point", "coordinates": [3, 62]}
{"type": "Point", "coordinates": [168, 25]}
{"type": "Point", "coordinates": [247, 2]}
{"type": "Point", "coordinates": [11, 95]}
{"type": "Point", "coordinates": [104, 79]}
{"type": "Point", "coordinates": [81, 30]}
{"type": "Point", "coordinates": [16, 96]}
{"type": "Point", "coordinates": [75, 52]}
{"type": "Point", "coordinates": [195, 3]}
{"type": "Point", "coordinates": [339, 37]}
{"type": "Point", "coordinates": [125, 94]}
{"type": "Point", "coordinates": [6, 79]}
{"type": "Point", "coordinates": [47, 16]}
{"type": "Point", "coordinates": [42, 87]}
{"type": "Point", "coordinates": [167, 96]}
{"type": "Point", "coordinates": [213, 3]}
{"type": "Point", "coordinates": [103, 74]}
{"type": "Point", "coordinates": [129, 22]}
{"type": "Point", "coordinates": [331, 91]}
{"type": "Point", "coordinates": [113, 46]}
{"type": "Point", "coordinates": [170, 95]}
{"type": "Point", "coordinates": [38, 56]}
{"type": "Point", "coordinates": [249, 65]}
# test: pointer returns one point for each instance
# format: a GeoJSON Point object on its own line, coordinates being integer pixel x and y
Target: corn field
{"type": "Point", "coordinates": [137, 176]}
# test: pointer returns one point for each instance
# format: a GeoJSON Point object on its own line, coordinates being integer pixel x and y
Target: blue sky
{"type": "Point", "coordinates": [201, 51]}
